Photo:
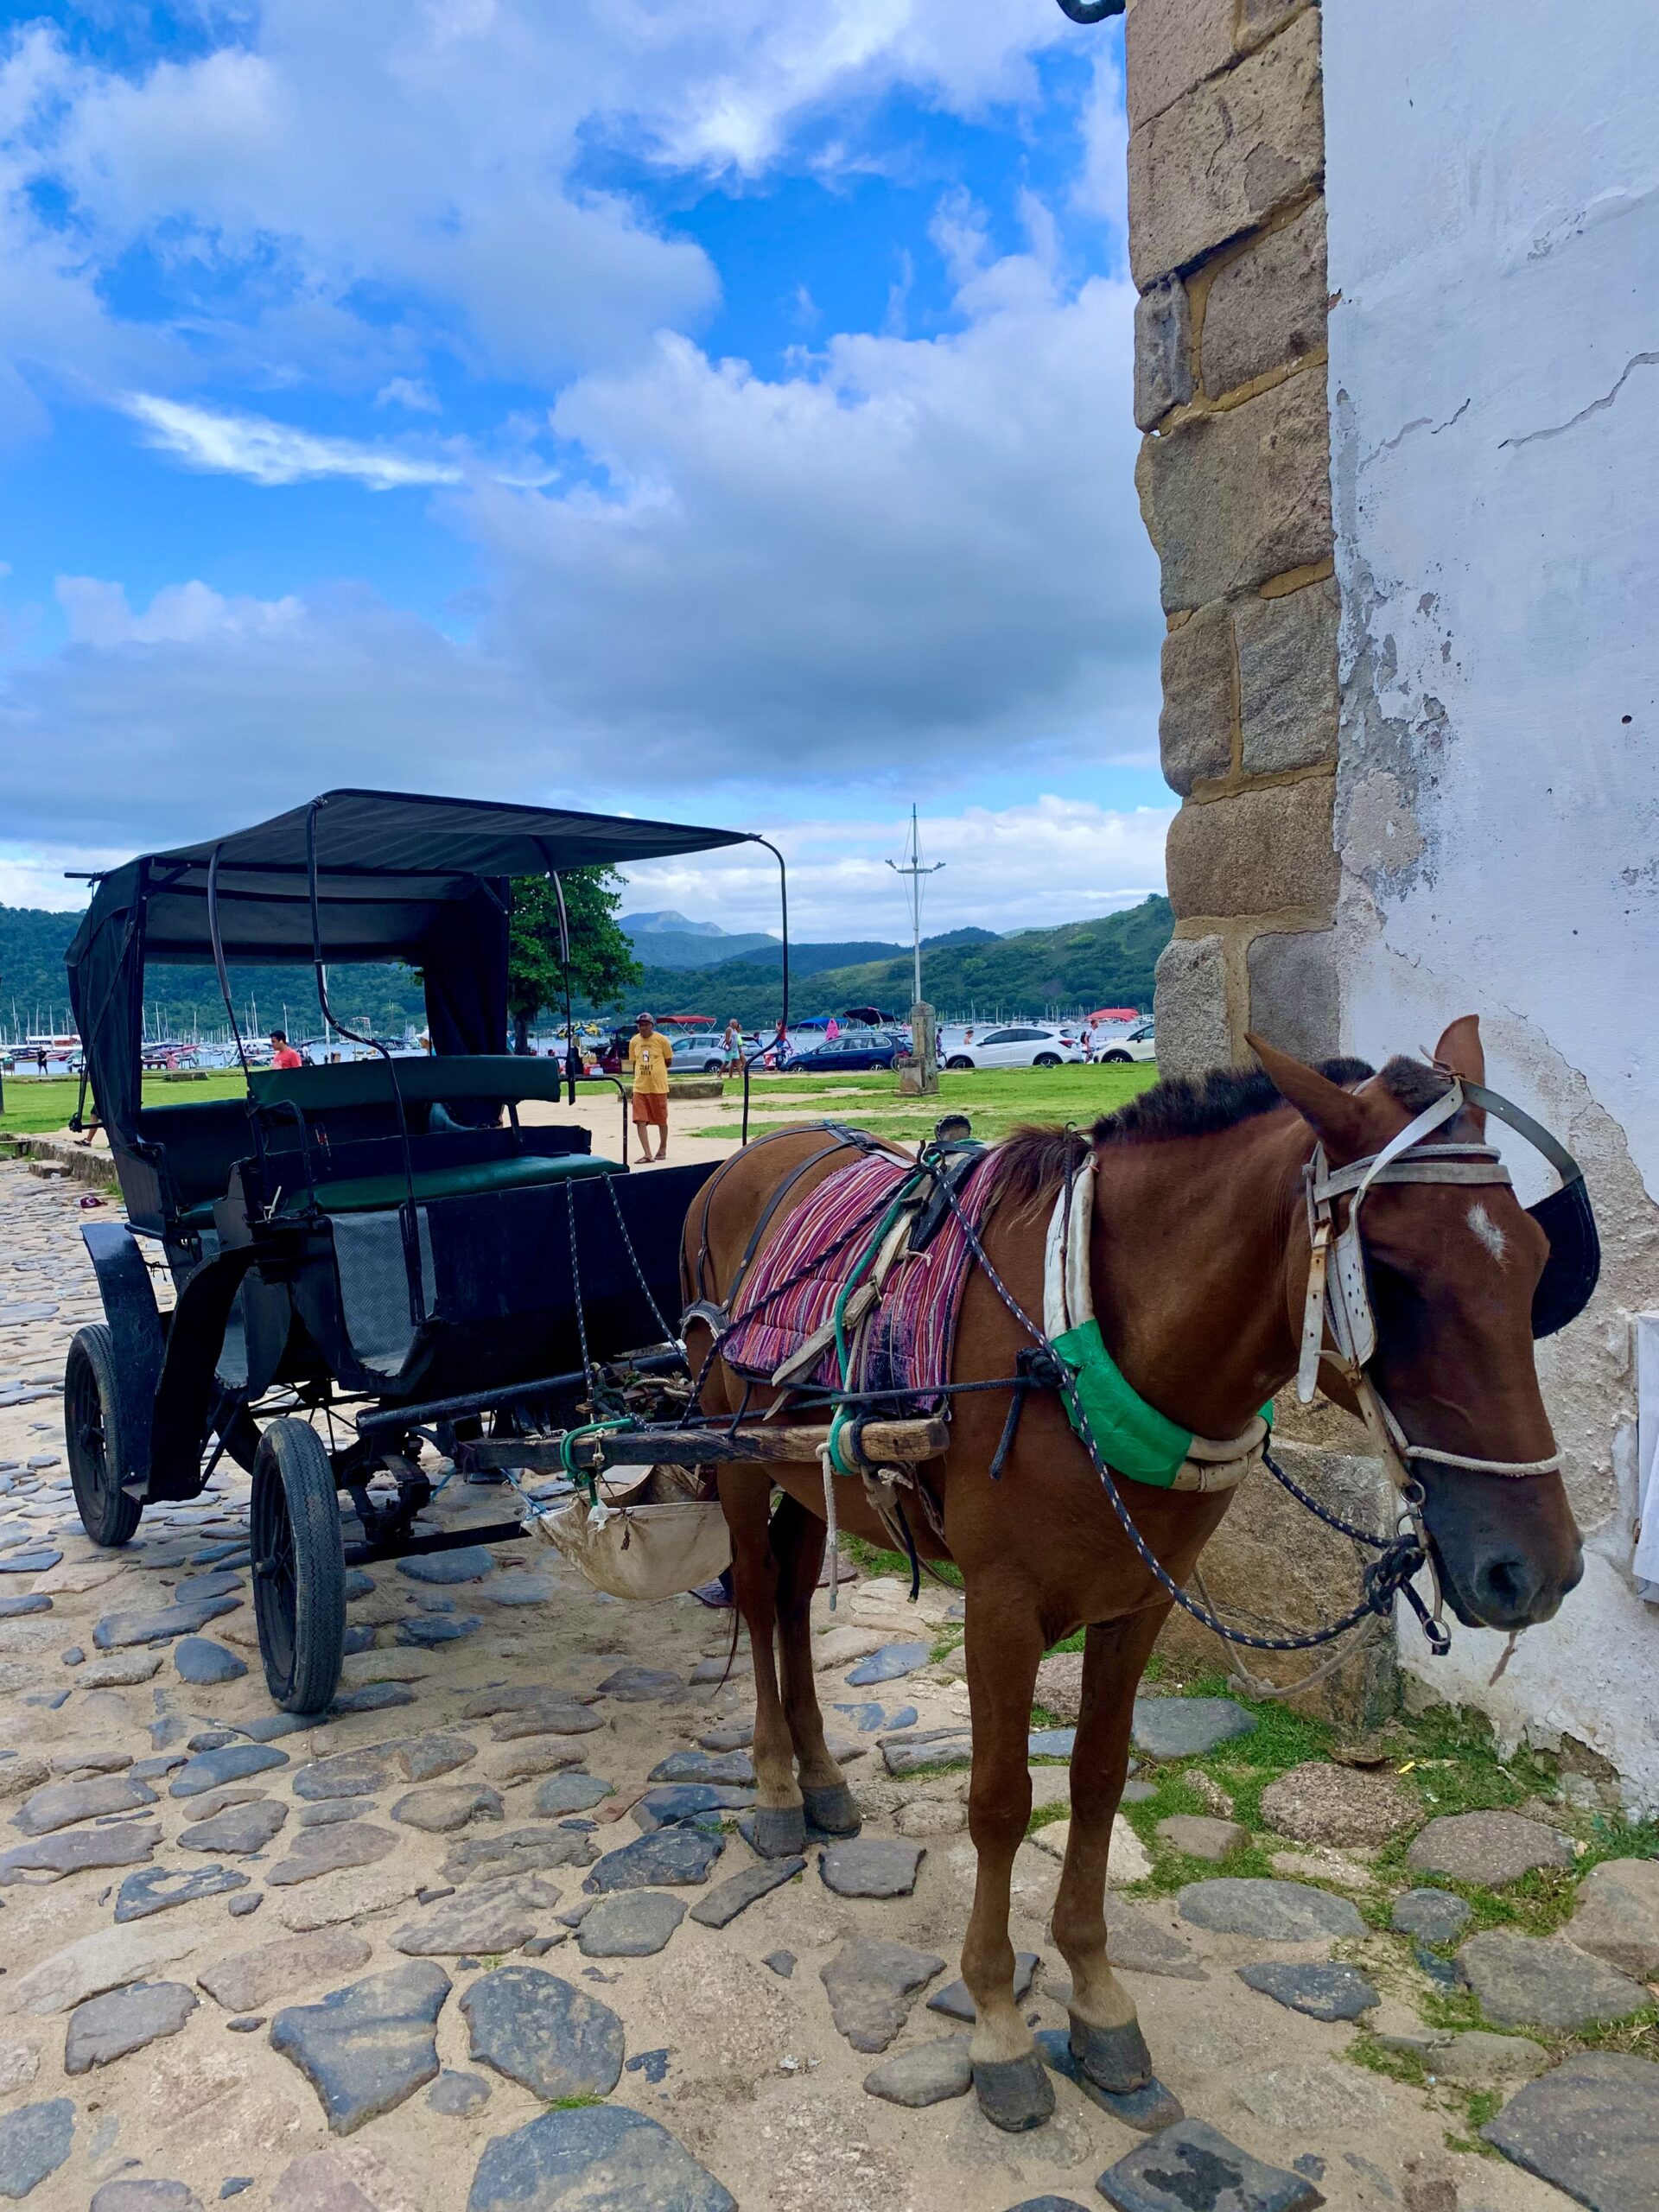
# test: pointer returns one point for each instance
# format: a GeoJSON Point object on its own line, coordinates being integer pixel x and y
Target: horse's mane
{"type": "Point", "coordinates": [1033, 1159]}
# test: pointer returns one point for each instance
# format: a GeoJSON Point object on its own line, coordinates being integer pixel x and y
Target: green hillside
{"type": "Point", "coordinates": [965, 972]}
{"type": "Point", "coordinates": [1107, 961]}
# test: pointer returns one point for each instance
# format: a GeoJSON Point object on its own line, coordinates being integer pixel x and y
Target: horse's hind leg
{"type": "Point", "coordinates": [1003, 1647]}
{"type": "Point", "coordinates": [798, 1542]}
{"type": "Point", "coordinates": [779, 1822]}
{"type": "Point", "coordinates": [1106, 2038]}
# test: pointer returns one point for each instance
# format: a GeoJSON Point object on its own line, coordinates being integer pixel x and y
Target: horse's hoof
{"type": "Point", "coordinates": [777, 1831]}
{"type": "Point", "coordinates": [834, 1809]}
{"type": "Point", "coordinates": [1014, 2094]}
{"type": "Point", "coordinates": [1115, 2059]}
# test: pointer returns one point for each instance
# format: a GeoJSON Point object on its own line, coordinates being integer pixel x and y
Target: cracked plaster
{"type": "Point", "coordinates": [1497, 801]}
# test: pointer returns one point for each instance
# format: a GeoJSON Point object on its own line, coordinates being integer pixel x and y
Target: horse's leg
{"type": "Point", "coordinates": [798, 1542]}
{"type": "Point", "coordinates": [1004, 1644]}
{"type": "Point", "coordinates": [1106, 2038]}
{"type": "Point", "coordinates": [779, 1822]}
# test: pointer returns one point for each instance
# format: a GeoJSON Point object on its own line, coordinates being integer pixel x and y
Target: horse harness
{"type": "Point", "coordinates": [1340, 1325]}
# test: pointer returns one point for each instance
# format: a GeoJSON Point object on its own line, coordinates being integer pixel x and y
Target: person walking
{"type": "Point", "coordinates": [650, 1057]}
{"type": "Point", "coordinates": [282, 1054]}
{"type": "Point", "coordinates": [734, 1047]}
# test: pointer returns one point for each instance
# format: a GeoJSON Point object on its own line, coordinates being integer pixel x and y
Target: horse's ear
{"type": "Point", "coordinates": [1336, 1116]}
{"type": "Point", "coordinates": [1461, 1053]}
{"type": "Point", "coordinates": [1459, 1050]}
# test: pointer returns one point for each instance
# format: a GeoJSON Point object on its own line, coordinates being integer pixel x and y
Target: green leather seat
{"type": "Point", "coordinates": [377, 1194]}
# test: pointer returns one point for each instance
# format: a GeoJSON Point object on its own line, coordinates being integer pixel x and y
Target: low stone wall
{"type": "Point", "coordinates": [81, 1163]}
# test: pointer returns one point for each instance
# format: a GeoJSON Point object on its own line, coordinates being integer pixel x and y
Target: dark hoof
{"type": "Point", "coordinates": [1114, 2059]}
{"type": "Point", "coordinates": [834, 1809]}
{"type": "Point", "coordinates": [777, 1831]}
{"type": "Point", "coordinates": [1146, 2109]}
{"type": "Point", "coordinates": [1014, 2094]}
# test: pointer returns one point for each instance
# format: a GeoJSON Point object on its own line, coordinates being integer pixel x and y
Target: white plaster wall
{"type": "Point", "coordinates": [1492, 184]}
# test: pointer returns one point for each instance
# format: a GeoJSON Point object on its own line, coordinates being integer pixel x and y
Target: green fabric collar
{"type": "Point", "coordinates": [1131, 1436]}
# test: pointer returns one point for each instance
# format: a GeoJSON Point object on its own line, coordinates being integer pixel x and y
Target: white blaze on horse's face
{"type": "Point", "coordinates": [1488, 1232]}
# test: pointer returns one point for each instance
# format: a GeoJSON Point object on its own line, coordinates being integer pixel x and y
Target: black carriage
{"type": "Point", "coordinates": [377, 1262]}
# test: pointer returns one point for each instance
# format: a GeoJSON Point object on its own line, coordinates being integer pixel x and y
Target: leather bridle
{"type": "Point", "coordinates": [1338, 1308]}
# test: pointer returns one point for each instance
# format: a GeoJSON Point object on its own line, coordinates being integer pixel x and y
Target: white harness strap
{"type": "Point", "coordinates": [1211, 1463]}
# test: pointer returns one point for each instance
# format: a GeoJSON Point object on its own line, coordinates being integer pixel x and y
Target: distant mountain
{"type": "Point", "coordinates": [666, 939]}
{"type": "Point", "coordinates": [1109, 961]}
{"type": "Point", "coordinates": [667, 918]}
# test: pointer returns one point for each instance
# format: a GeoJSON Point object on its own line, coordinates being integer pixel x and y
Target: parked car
{"type": "Point", "coordinates": [699, 1052]}
{"type": "Point", "coordinates": [1015, 1048]}
{"type": "Point", "coordinates": [854, 1049]}
{"type": "Point", "coordinates": [1139, 1044]}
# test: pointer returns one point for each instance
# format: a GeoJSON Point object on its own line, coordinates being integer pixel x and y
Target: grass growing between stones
{"type": "Point", "coordinates": [1474, 2107]}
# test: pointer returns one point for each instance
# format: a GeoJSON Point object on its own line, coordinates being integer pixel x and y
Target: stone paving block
{"type": "Point", "coordinates": [1493, 1848]}
{"type": "Point", "coordinates": [107, 2028]}
{"type": "Point", "coordinates": [544, 2033]}
{"type": "Point", "coordinates": [605, 2158]}
{"type": "Point", "coordinates": [1591, 2127]}
{"type": "Point", "coordinates": [871, 1984]}
{"type": "Point", "coordinates": [1193, 2167]}
{"type": "Point", "coordinates": [367, 2047]}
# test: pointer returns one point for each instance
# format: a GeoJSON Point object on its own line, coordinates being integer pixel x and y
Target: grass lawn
{"type": "Point", "coordinates": [36, 1107]}
{"type": "Point", "coordinates": [995, 1099]}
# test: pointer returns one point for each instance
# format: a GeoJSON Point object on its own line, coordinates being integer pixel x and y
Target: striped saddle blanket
{"type": "Point", "coordinates": [902, 1343]}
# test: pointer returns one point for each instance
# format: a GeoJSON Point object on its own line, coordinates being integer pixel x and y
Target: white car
{"type": "Point", "coordinates": [1024, 1047]}
{"type": "Point", "coordinates": [1137, 1044]}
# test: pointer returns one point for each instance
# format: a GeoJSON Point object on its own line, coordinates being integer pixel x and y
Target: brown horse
{"type": "Point", "coordinates": [1199, 1258]}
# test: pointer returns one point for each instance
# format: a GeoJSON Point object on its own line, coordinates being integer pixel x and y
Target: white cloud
{"type": "Point", "coordinates": [435, 151]}
{"type": "Point", "coordinates": [275, 453]}
{"type": "Point", "coordinates": [920, 554]}
{"type": "Point", "coordinates": [413, 393]}
{"type": "Point", "coordinates": [917, 548]}
{"type": "Point", "coordinates": [1025, 867]}
{"type": "Point", "coordinates": [36, 876]}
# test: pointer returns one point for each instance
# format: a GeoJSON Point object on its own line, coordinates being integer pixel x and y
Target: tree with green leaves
{"type": "Point", "coordinates": [601, 959]}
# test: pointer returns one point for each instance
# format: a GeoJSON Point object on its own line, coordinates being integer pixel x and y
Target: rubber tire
{"type": "Point", "coordinates": [959, 1064]}
{"type": "Point", "coordinates": [107, 1513]}
{"type": "Point", "coordinates": [1121, 1059]}
{"type": "Point", "coordinates": [1046, 1060]}
{"type": "Point", "coordinates": [301, 1615]}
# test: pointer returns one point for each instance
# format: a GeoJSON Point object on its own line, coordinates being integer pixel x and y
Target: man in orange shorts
{"type": "Point", "coordinates": [648, 1057]}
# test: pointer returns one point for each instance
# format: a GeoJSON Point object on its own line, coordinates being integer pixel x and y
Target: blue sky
{"type": "Point", "coordinates": [712, 407]}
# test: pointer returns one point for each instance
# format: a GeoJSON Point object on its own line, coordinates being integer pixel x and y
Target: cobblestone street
{"type": "Point", "coordinates": [489, 1935]}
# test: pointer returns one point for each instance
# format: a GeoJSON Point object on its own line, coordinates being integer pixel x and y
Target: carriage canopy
{"type": "Point", "coordinates": [398, 876]}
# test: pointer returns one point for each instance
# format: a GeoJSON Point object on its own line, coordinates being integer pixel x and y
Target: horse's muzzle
{"type": "Point", "coordinates": [1508, 1551]}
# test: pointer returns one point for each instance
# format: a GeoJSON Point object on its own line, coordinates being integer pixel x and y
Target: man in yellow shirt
{"type": "Point", "coordinates": [648, 1057]}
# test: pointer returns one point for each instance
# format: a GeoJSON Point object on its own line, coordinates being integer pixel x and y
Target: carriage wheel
{"type": "Point", "coordinates": [299, 1567]}
{"type": "Point", "coordinates": [92, 1423]}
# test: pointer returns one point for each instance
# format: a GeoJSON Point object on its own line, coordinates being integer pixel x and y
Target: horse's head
{"type": "Point", "coordinates": [1450, 1268]}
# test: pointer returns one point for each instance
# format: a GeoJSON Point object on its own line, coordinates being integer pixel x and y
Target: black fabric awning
{"type": "Point", "coordinates": [400, 876]}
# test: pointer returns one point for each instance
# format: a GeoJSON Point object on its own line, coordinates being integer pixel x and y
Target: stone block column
{"type": "Point", "coordinates": [1227, 247]}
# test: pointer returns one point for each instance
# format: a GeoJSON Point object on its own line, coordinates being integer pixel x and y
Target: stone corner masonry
{"type": "Point", "coordinates": [1227, 245]}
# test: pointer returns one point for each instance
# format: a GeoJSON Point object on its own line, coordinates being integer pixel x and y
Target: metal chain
{"type": "Point", "coordinates": [668, 1336]}
{"type": "Point", "coordinates": [575, 1285]}
{"type": "Point", "coordinates": [1390, 1572]}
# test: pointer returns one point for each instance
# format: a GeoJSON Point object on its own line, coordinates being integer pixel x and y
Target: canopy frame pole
{"type": "Point", "coordinates": [408, 1214]}
{"type": "Point", "coordinates": [749, 1059]}
{"type": "Point", "coordinates": [216, 940]}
